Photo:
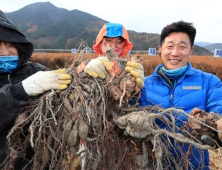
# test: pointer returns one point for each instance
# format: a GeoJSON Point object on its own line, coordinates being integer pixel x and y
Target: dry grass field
{"type": "Point", "coordinates": [205, 63]}
{"type": "Point", "coordinates": [61, 60]}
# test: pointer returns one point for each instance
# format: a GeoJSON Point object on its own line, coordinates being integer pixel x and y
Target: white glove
{"type": "Point", "coordinates": [97, 67]}
{"type": "Point", "coordinates": [45, 80]}
{"type": "Point", "coordinates": [136, 124]}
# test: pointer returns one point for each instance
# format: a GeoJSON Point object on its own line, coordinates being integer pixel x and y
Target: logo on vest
{"type": "Point", "coordinates": [192, 87]}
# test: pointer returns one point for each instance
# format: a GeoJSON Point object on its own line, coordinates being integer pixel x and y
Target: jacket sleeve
{"type": "Point", "coordinates": [214, 95]}
{"type": "Point", "coordinates": [12, 99]}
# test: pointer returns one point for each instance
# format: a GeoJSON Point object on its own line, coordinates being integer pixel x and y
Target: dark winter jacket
{"type": "Point", "coordinates": [12, 94]}
{"type": "Point", "coordinates": [194, 88]}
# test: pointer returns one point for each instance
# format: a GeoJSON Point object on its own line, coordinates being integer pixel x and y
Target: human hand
{"type": "Point", "coordinates": [137, 71]}
{"type": "Point", "coordinates": [136, 124]}
{"type": "Point", "coordinates": [202, 132]}
{"type": "Point", "coordinates": [195, 113]}
{"type": "Point", "coordinates": [97, 67]}
{"type": "Point", "coordinates": [45, 80]}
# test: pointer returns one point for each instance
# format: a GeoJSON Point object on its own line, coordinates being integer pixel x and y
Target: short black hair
{"type": "Point", "coordinates": [179, 26]}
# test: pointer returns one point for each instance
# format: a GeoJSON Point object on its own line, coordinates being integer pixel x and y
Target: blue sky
{"type": "Point", "coordinates": [145, 15]}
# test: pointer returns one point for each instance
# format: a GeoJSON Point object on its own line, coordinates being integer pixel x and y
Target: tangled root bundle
{"type": "Point", "coordinates": [77, 129]}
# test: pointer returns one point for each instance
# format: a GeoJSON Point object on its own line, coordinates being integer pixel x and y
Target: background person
{"type": "Point", "coordinates": [113, 36]}
{"type": "Point", "coordinates": [20, 79]}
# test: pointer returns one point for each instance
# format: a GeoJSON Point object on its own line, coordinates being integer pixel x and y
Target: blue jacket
{"type": "Point", "coordinates": [194, 88]}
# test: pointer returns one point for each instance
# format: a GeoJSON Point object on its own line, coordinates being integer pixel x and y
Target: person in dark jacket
{"type": "Point", "coordinates": [175, 83]}
{"type": "Point", "coordinates": [20, 80]}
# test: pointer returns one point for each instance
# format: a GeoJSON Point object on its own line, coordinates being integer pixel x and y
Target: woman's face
{"type": "Point", "coordinates": [7, 49]}
{"type": "Point", "coordinates": [176, 50]}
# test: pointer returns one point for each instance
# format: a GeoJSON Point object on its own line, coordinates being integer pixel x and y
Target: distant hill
{"type": "Point", "coordinates": [200, 51]}
{"type": "Point", "coordinates": [202, 44]}
{"type": "Point", "coordinates": [49, 27]}
{"type": "Point", "coordinates": [56, 28]}
{"type": "Point", "coordinates": [212, 47]}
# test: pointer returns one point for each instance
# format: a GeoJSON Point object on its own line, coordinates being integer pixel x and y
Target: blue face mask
{"type": "Point", "coordinates": [8, 63]}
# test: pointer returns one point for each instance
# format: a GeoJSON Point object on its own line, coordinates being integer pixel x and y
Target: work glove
{"type": "Point", "coordinates": [97, 67]}
{"type": "Point", "coordinates": [45, 80]}
{"type": "Point", "coordinates": [137, 71]}
{"type": "Point", "coordinates": [203, 133]}
{"type": "Point", "coordinates": [136, 124]}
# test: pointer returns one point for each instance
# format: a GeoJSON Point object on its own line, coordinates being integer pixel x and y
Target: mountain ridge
{"type": "Point", "coordinates": [214, 46]}
{"type": "Point", "coordinates": [202, 44]}
{"type": "Point", "coordinates": [50, 27]}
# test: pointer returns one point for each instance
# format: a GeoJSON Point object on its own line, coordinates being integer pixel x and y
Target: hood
{"type": "Point", "coordinates": [113, 30]}
{"type": "Point", "coordinates": [8, 32]}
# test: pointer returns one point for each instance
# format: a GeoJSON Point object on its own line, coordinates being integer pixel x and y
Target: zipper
{"type": "Point", "coordinates": [171, 100]}
{"type": "Point", "coordinates": [171, 96]}
{"type": "Point", "coordinates": [9, 79]}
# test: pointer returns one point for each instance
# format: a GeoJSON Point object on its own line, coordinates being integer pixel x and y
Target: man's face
{"type": "Point", "coordinates": [175, 50]}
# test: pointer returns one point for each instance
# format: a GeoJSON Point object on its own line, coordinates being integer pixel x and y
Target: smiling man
{"type": "Point", "coordinates": [175, 83]}
{"type": "Point", "coordinates": [176, 50]}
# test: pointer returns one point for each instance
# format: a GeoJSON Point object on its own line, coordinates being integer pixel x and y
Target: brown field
{"type": "Point", "coordinates": [205, 63]}
{"type": "Point", "coordinates": [62, 60]}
